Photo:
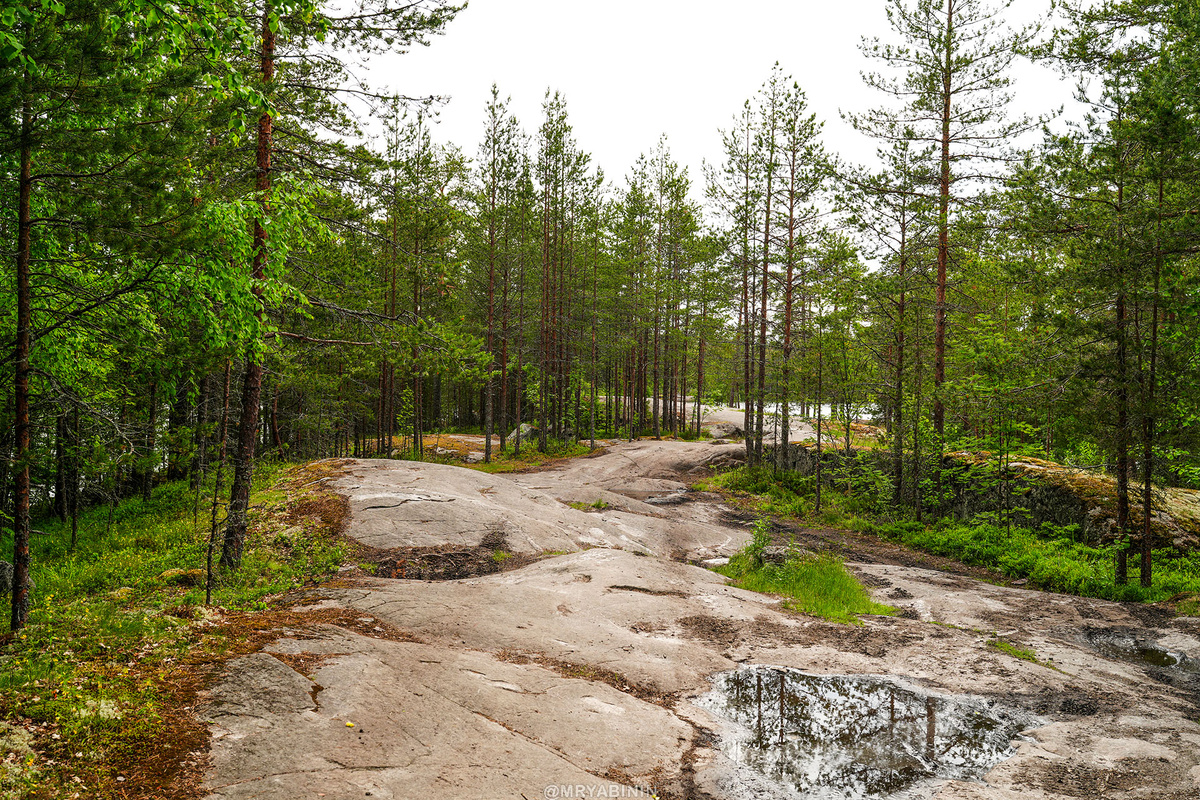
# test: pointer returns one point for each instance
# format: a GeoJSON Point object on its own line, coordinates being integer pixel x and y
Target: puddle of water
{"type": "Point", "coordinates": [1127, 646]}
{"type": "Point", "coordinates": [854, 736]}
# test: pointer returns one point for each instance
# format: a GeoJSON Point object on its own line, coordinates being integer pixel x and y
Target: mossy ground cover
{"type": "Point", "coordinates": [102, 680]}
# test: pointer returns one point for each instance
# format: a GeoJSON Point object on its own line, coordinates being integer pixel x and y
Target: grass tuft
{"type": "Point", "coordinates": [818, 585]}
{"type": "Point", "coordinates": [598, 505]}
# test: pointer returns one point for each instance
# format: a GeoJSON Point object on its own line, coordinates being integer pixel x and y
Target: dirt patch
{"type": "Point", "coordinates": [588, 672]}
{"type": "Point", "coordinates": [307, 486]}
{"type": "Point", "coordinates": [644, 590]}
{"type": "Point", "coordinates": [444, 562]}
{"type": "Point", "coordinates": [306, 664]}
{"type": "Point", "coordinates": [771, 632]}
{"type": "Point", "coordinates": [1080, 703]}
{"type": "Point", "coordinates": [657, 781]}
{"type": "Point", "coordinates": [1128, 775]}
{"type": "Point", "coordinates": [711, 629]}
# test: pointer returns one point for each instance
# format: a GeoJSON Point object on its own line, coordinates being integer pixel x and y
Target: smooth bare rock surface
{"type": "Point", "coordinates": [409, 504]}
{"type": "Point", "coordinates": [428, 721]}
{"type": "Point", "coordinates": [589, 668]}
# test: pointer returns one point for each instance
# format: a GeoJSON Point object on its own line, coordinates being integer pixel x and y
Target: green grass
{"type": "Point", "coordinates": [818, 585]}
{"type": "Point", "coordinates": [768, 492]}
{"type": "Point", "coordinates": [1022, 653]}
{"type": "Point", "coordinates": [113, 619]}
{"type": "Point", "coordinates": [815, 585]}
{"type": "Point", "coordinates": [1051, 561]}
{"type": "Point", "coordinates": [597, 505]}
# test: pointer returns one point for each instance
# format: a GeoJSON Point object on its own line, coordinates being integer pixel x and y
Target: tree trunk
{"type": "Point", "coordinates": [1122, 445]}
{"type": "Point", "coordinates": [21, 454]}
{"type": "Point", "coordinates": [1148, 412]}
{"type": "Point", "coordinates": [943, 251]}
{"type": "Point", "coordinates": [762, 322]}
{"type": "Point", "coordinates": [150, 440]}
{"type": "Point", "coordinates": [239, 498]}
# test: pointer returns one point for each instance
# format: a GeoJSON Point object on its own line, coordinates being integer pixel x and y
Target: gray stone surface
{"type": "Point", "coordinates": [413, 504]}
{"type": "Point", "coordinates": [582, 667]}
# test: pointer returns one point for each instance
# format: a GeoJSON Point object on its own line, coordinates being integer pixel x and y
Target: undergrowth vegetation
{"type": "Point", "coordinates": [1049, 557]}
{"type": "Point", "coordinates": [818, 585]}
{"type": "Point", "coordinates": [97, 674]}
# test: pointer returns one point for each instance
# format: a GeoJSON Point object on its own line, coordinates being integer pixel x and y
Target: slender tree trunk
{"type": "Point", "coordinates": [898, 389]}
{"type": "Point", "coordinates": [1122, 444]}
{"type": "Point", "coordinates": [1148, 412]}
{"type": "Point", "coordinates": [73, 475]}
{"type": "Point", "coordinates": [222, 433]}
{"type": "Point", "coordinates": [60, 464]}
{"type": "Point", "coordinates": [762, 321]}
{"type": "Point", "coordinates": [943, 251]}
{"type": "Point", "coordinates": [21, 451]}
{"type": "Point", "coordinates": [150, 440]}
{"type": "Point", "coordinates": [490, 387]}
{"type": "Point", "coordinates": [747, 322]}
{"type": "Point", "coordinates": [820, 433]}
{"type": "Point", "coordinates": [239, 499]}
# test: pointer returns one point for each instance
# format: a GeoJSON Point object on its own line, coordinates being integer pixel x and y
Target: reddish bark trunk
{"type": "Point", "coordinates": [239, 498]}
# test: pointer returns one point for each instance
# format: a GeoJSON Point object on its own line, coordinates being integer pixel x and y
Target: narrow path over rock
{"type": "Point", "coordinates": [592, 664]}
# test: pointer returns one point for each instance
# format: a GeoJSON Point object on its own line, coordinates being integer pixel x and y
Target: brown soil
{"type": "Point", "coordinates": [588, 672]}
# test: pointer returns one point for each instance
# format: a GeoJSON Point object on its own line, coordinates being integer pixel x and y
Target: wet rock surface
{"type": "Point", "coordinates": [853, 736]}
{"type": "Point", "coordinates": [593, 665]}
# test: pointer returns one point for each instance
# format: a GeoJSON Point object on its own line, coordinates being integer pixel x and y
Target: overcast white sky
{"type": "Point", "coordinates": [632, 70]}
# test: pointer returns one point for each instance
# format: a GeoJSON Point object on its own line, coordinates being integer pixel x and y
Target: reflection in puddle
{"type": "Point", "coordinates": [1128, 646]}
{"type": "Point", "coordinates": [855, 737]}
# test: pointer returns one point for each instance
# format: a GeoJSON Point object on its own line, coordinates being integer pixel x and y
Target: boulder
{"type": "Point", "coordinates": [724, 430]}
{"type": "Point", "coordinates": [524, 431]}
{"type": "Point", "coordinates": [183, 577]}
{"type": "Point", "coordinates": [778, 553]}
{"type": "Point", "coordinates": [6, 578]}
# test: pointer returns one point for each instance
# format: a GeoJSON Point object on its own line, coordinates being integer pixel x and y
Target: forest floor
{"type": "Point", "coordinates": [554, 634]}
